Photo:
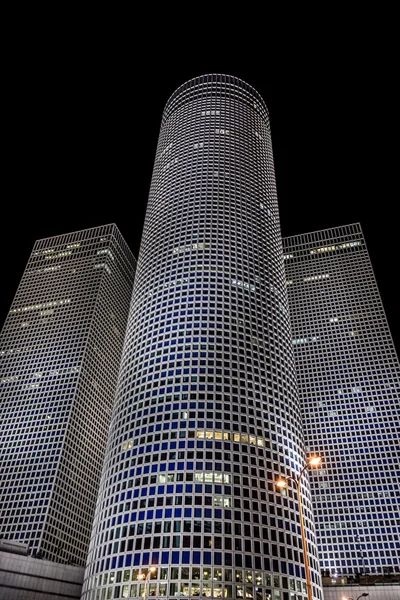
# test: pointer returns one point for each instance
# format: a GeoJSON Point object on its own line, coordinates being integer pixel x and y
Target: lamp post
{"type": "Point", "coordinates": [314, 461]}
{"type": "Point", "coordinates": [360, 596]}
{"type": "Point", "coordinates": [144, 578]}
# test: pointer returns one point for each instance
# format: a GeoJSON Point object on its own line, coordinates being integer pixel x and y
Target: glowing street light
{"type": "Point", "coordinates": [313, 461]}
{"type": "Point", "coordinates": [144, 578]}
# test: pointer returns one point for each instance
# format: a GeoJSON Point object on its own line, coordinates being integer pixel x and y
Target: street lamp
{"type": "Point", "coordinates": [144, 578]}
{"type": "Point", "coordinates": [314, 461]}
{"type": "Point", "coordinates": [360, 596]}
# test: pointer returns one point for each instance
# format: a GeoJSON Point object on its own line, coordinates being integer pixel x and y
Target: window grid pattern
{"type": "Point", "coordinates": [207, 414]}
{"type": "Point", "coordinates": [348, 375]}
{"type": "Point", "coordinates": [60, 349]}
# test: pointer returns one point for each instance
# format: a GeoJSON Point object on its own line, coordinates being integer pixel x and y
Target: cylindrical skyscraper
{"type": "Point", "coordinates": [207, 415]}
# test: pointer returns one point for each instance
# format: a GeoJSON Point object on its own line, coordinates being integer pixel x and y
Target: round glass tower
{"type": "Point", "coordinates": [207, 415]}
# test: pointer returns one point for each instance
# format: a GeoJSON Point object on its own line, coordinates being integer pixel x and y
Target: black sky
{"type": "Point", "coordinates": [83, 120]}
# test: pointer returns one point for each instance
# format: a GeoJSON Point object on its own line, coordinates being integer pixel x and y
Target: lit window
{"type": "Point", "coordinates": [206, 113]}
{"type": "Point", "coordinates": [222, 501]}
{"type": "Point", "coordinates": [317, 277]}
{"type": "Point", "coordinates": [244, 285]}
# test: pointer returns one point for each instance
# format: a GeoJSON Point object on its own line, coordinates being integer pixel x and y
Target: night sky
{"type": "Point", "coordinates": [82, 128]}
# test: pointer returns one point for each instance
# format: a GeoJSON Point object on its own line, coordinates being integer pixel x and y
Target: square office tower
{"type": "Point", "coordinates": [348, 377]}
{"type": "Point", "coordinates": [60, 350]}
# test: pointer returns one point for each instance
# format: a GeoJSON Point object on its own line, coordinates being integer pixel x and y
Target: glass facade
{"type": "Point", "coordinates": [207, 415]}
{"type": "Point", "coordinates": [348, 376]}
{"type": "Point", "coordinates": [60, 350]}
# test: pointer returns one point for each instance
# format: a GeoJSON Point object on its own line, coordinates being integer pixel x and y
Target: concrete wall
{"type": "Point", "coordinates": [376, 592]}
{"type": "Point", "coordinates": [26, 578]}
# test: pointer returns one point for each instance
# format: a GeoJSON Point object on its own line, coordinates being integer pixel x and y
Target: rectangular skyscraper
{"type": "Point", "coordinates": [60, 351]}
{"type": "Point", "coordinates": [348, 376]}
